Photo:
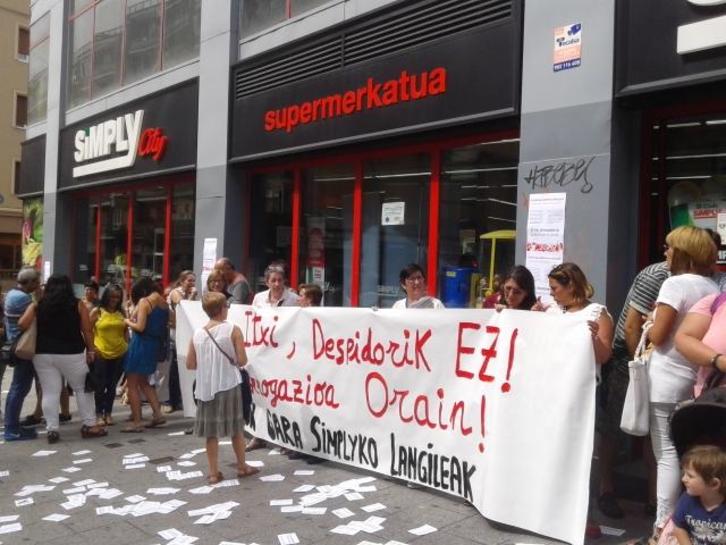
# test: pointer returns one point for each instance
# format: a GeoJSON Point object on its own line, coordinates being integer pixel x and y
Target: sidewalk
{"type": "Point", "coordinates": [251, 520]}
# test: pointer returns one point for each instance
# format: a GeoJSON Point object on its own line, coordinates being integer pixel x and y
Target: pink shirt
{"type": "Point", "coordinates": [714, 337]}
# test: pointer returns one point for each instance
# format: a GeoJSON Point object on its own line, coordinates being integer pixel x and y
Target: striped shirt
{"type": "Point", "coordinates": [642, 297]}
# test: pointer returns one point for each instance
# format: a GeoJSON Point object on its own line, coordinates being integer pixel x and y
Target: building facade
{"type": "Point", "coordinates": [349, 138]}
{"type": "Point", "coordinates": [14, 49]}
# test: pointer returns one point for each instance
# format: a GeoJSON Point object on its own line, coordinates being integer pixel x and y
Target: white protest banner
{"type": "Point", "coordinates": [497, 408]}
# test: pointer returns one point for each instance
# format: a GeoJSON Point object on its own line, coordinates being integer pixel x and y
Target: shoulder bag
{"type": "Point", "coordinates": [24, 345]}
{"type": "Point", "coordinates": [244, 385]}
{"type": "Point", "coordinates": [635, 417]}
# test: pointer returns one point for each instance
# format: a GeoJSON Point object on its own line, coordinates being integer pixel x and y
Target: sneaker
{"type": "Point", "coordinates": [22, 435]}
{"type": "Point", "coordinates": [608, 505]}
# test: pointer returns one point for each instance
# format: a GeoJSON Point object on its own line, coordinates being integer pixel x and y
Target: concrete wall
{"type": "Point", "coordinates": [567, 118]}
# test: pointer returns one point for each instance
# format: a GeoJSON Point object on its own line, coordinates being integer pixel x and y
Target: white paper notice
{"type": "Point", "coordinates": [545, 247]}
{"type": "Point", "coordinates": [721, 225]}
{"type": "Point", "coordinates": [393, 213]}
{"type": "Point", "coordinates": [209, 254]}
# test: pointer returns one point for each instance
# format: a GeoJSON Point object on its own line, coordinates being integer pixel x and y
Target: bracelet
{"type": "Point", "coordinates": [714, 361]}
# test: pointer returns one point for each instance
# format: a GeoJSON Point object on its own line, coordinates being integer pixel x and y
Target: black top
{"type": "Point", "coordinates": [59, 330]}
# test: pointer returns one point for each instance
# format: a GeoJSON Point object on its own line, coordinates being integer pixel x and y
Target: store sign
{"type": "Point", "coordinates": [406, 87]}
{"type": "Point", "coordinates": [684, 45]}
{"type": "Point", "coordinates": [473, 403]}
{"type": "Point", "coordinates": [115, 143]}
{"type": "Point", "coordinates": [567, 47]}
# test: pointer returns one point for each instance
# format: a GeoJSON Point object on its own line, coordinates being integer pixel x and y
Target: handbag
{"type": "Point", "coordinates": [5, 354]}
{"type": "Point", "coordinates": [635, 417]}
{"type": "Point", "coordinates": [24, 346]}
{"type": "Point", "coordinates": [244, 385]}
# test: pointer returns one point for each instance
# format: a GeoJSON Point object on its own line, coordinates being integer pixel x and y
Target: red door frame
{"type": "Point", "coordinates": [130, 189]}
{"type": "Point", "coordinates": [434, 149]}
{"type": "Point", "coordinates": [649, 216]}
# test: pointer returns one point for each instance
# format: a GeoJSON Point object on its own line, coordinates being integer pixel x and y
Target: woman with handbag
{"type": "Point", "coordinates": [217, 353]}
{"type": "Point", "coordinates": [149, 326]}
{"type": "Point", "coordinates": [110, 337]}
{"type": "Point", "coordinates": [63, 334]}
{"type": "Point", "coordinates": [690, 255]}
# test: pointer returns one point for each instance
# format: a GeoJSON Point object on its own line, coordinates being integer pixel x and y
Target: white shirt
{"type": "Point", "coordinates": [262, 299]}
{"type": "Point", "coordinates": [215, 373]}
{"type": "Point", "coordinates": [671, 376]}
{"type": "Point", "coordinates": [591, 312]}
{"type": "Point", "coordinates": [424, 302]}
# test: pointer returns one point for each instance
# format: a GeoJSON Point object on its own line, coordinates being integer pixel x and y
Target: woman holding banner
{"type": "Point", "coordinates": [519, 291]}
{"type": "Point", "coordinates": [572, 292]}
{"type": "Point", "coordinates": [413, 283]}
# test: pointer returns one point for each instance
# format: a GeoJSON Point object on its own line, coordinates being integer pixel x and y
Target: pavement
{"type": "Point", "coordinates": [79, 476]}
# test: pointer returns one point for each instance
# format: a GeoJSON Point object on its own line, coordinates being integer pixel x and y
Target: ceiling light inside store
{"type": "Point", "coordinates": [716, 122]}
{"type": "Point", "coordinates": [476, 170]}
{"type": "Point", "coordinates": [401, 175]}
{"type": "Point", "coordinates": [684, 125]}
{"type": "Point", "coordinates": [490, 199]}
{"type": "Point", "coordinates": [501, 219]}
{"type": "Point", "coordinates": [688, 177]}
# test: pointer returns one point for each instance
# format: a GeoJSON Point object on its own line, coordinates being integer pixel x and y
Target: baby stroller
{"type": "Point", "coordinates": [701, 421]}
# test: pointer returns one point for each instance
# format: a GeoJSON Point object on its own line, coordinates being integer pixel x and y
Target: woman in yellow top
{"type": "Point", "coordinates": [110, 337]}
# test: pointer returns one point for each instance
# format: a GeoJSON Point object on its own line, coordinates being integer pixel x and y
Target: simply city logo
{"type": "Point", "coordinates": [115, 143]}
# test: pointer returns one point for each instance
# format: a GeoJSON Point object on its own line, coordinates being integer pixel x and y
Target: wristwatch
{"type": "Point", "coordinates": [714, 361]}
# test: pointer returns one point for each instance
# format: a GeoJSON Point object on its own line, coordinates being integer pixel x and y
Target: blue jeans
{"type": "Point", "coordinates": [19, 388]}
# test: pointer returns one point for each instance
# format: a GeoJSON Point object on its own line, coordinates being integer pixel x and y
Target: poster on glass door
{"type": "Point", "coordinates": [545, 246]}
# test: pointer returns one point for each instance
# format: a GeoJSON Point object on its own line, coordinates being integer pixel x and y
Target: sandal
{"type": "Point", "coordinates": [88, 432]}
{"type": "Point", "coordinates": [155, 423]}
{"type": "Point", "coordinates": [214, 479]}
{"type": "Point", "coordinates": [132, 429]}
{"type": "Point", "coordinates": [246, 471]}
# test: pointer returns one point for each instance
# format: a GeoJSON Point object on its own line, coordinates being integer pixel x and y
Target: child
{"type": "Point", "coordinates": [217, 352]}
{"type": "Point", "coordinates": [700, 515]}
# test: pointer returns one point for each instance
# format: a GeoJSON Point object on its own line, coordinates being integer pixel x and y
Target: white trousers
{"type": "Point", "coordinates": [668, 484]}
{"type": "Point", "coordinates": [51, 369]}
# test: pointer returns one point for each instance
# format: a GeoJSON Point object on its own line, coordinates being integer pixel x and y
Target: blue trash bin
{"type": "Point", "coordinates": [455, 288]}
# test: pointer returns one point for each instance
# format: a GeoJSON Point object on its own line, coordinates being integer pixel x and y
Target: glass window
{"type": "Point", "coordinates": [688, 185]}
{"type": "Point", "coordinates": [23, 42]}
{"type": "Point", "coordinates": [301, 6]}
{"type": "Point", "coordinates": [80, 64]}
{"type": "Point", "coordinates": [107, 46]}
{"type": "Point", "coordinates": [257, 15]}
{"type": "Point", "coordinates": [182, 230]}
{"type": "Point", "coordinates": [326, 231]}
{"type": "Point", "coordinates": [38, 70]}
{"type": "Point", "coordinates": [86, 214]}
{"type": "Point", "coordinates": [149, 232]}
{"type": "Point", "coordinates": [114, 237]}
{"type": "Point", "coordinates": [21, 110]}
{"type": "Point", "coordinates": [395, 225]}
{"type": "Point", "coordinates": [478, 212]}
{"type": "Point", "coordinates": [271, 223]}
{"type": "Point", "coordinates": [181, 31]}
{"type": "Point", "coordinates": [143, 38]}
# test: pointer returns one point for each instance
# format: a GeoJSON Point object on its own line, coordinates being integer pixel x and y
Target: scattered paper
{"type": "Point", "coordinates": [76, 490]}
{"type": "Point", "coordinates": [162, 491]}
{"type": "Point", "coordinates": [201, 490]}
{"type": "Point", "coordinates": [42, 453]}
{"type": "Point", "coordinates": [213, 517]}
{"type": "Point", "coordinates": [394, 542]}
{"type": "Point", "coordinates": [71, 469]}
{"type": "Point", "coordinates": [610, 531]}
{"type": "Point", "coordinates": [58, 480]}
{"type": "Point", "coordinates": [163, 469]}
{"type": "Point", "coordinates": [82, 461]}
{"type": "Point", "coordinates": [56, 517]}
{"type": "Point", "coordinates": [4, 473]}
{"type": "Point", "coordinates": [255, 463]}
{"type": "Point", "coordinates": [91, 486]}
{"type": "Point", "coordinates": [345, 530]}
{"type": "Point", "coordinates": [288, 539]}
{"type": "Point", "coordinates": [422, 530]}
{"type": "Point", "coordinates": [274, 452]}
{"type": "Point", "coordinates": [81, 452]}
{"type": "Point", "coordinates": [134, 499]}
{"type": "Point", "coordinates": [304, 472]}
{"type": "Point", "coordinates": [372, 508]}
{"type": "Point", "coordinates": [24, 501]}
{"type": "Point", "coordinates": [186, 463]}
{"type": "Point", "coordinates": [9, 518]}
{"type": "Point", "coordinates": [272, 478]}
{"type": "Point", "coordinates": [292, 509]}
{"type": "Point", "coordinates": [133, 466]}
{"type": "Point", "coordinates": [171, 533]}
{"type": "Point", "coordinates": [343, 513]}
{"type": "Point", "coordinates": [84, 482]}
{"type": "Point", "coordinates": [314, 510]}
{"type": "Point", "coordinates": [353, 496]}
{"type": "Point", "coordinates": [14, 527]}
{"type": "Point", "coordinates": [176, 433]}
{"type": "Point", "coordinates": [304, 488]}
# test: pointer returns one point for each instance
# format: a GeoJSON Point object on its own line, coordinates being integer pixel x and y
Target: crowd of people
{"type": "Point", "coordinates": [87, 345]}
